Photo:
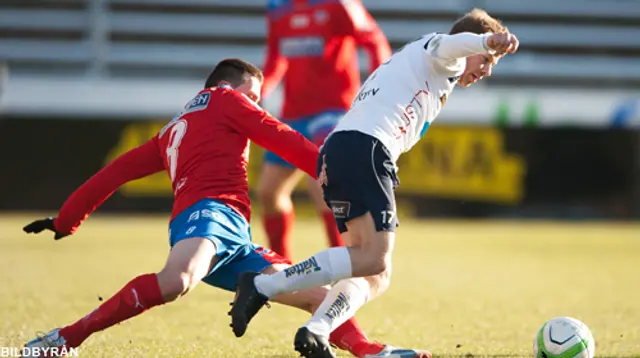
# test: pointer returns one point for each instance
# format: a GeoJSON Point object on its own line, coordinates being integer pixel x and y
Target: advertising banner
{"type": "Point", "coordinates": [454, 170]}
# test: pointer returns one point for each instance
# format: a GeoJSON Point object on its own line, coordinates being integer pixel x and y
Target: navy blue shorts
{"type": "Point", "coordinates": [230, 232]}
{"type": "Point", "coordinates": [315, 128]}
{"type": "Point", "coordinates": [358, 176]}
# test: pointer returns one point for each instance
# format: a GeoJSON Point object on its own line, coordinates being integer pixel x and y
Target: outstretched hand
{"type": "Point", "coordinates": [44, 224]}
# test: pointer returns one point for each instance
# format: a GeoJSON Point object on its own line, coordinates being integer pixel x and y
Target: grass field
{"type": "Point", "coordinates": [460, 289]}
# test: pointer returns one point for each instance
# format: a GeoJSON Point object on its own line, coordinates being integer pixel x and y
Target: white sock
{"type": "Point", "coordinates": [321, 269]}
{"type": "Point", "coordinates": [340, 304]}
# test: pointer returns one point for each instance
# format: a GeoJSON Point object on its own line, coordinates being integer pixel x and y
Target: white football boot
{"type": "Point", "coordinates": [53, 341]}
{"type": "Point", "coordinates": [393, 352]}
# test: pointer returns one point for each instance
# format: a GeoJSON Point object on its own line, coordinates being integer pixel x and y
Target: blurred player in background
{"type": "Point", "coordinates": [204, 149]}
{"type": "Point", "coordinates": [357, 169]}
{"type": "Point", "coordinates": [312, 45]}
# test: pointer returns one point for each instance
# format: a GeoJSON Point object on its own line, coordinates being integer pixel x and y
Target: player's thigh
{"type": "Point", "coordinates": [375, 251]}
{"type": "Point", "coordinates": [194, 256]}
{"type": "Point", "coordinates": [358, 181]}
{"type": "Point", "coordinates": [206, 230]}
{"type": "Point", "coordinates": [364, 234]}
{"type": "Point", "coordinates": [277, 180]}
{"type": "Point", "coordinates": [307, 300]}
{"type": "Point", "coordinates": [247, 257]}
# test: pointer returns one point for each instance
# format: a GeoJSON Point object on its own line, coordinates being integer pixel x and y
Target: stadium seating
{"type": "Point", "coordinates": [567, 42]}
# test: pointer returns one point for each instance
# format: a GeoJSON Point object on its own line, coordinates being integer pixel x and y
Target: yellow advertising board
{"type": "Point", "coordinates": [468, 163]}
{"type": "Point", "coordinates": [133, 135]}
{"type": "Point", "coordinates": [463, 163]}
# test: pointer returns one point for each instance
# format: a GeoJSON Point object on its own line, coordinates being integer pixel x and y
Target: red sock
{"type": "Point", "coordinates": [332, 229]}
{"type": "Point", "coordinates": [278, 227]}
{"type": "Point", "coordinates": [350, 337]}
{"type": "Point", "coordinates": [140, 294]}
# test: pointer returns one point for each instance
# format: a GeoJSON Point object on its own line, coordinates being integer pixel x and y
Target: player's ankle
{"type": "Point", "coordinates": [319, 327]}
{"type": "Point", "coordinates": [364, 348]}
{"type": "Point", "coordinates": [73, 335]}
{"type": "Point", "coordinates": [354, 342]}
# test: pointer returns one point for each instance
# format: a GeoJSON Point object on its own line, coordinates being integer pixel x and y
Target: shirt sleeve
{"type": "Point", "coordinates": [248, 118]}
{"type": "Point", "coordinates": [275, 64]}
{"type": "Point", "coordinates": [367, 34]}
{"type": "Point", "coordinates": [134, 164]}
{"type": "Point", "coordinates": [460, 45]}
{"type": "Point", "coordinates": [450, 51]}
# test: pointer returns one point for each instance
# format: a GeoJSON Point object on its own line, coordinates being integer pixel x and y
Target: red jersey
{"type": "Point", "coordinates": [315, 43]}
{"type": "Point", "coordinates": [205, 151]}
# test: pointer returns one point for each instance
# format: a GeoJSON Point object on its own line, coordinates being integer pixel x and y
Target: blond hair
{"type": "Point", "coordinates": [477, 21]}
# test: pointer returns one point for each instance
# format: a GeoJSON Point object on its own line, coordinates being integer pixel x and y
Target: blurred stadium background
{"type": "Point", "coordinates": [553, 134]}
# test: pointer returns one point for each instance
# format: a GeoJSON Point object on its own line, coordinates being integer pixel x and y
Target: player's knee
{"type": "Point", "coordinates": [266, 195]}
{"type": "Point", "coordinates": [271, 198]}
{"type": "Point", "coordinates": [379, 264]}
{"type": "Point", "coordinates": [378, 284]}
{"type": "Point", "coordinates": [378, 255]}
{"type": "Point", "coordinates": [309, 307]}
{"type": "Point", "coordinates": [384, 278]}
{"type": "Point", "coordinates": [174, 285]}
{"type": "Point", "coordinates": [275, 201]}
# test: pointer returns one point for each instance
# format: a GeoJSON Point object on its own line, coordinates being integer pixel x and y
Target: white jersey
{"type": "Point", "coordinates": [397, 103]}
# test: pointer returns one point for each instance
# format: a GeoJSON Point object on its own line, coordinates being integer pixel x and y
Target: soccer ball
{"type": "Point", "coordinates": [564, 337]}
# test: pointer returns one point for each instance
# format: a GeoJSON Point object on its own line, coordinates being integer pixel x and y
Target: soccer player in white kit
{"type": "Point", "coordinates": [357, 167]}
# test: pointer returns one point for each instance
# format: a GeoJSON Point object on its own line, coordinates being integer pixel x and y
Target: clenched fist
{"type": "Point", "coordinates": [503, 43]}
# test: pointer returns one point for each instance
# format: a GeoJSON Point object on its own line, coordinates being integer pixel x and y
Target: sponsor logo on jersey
{"type": "Point", "coordinates": [199, 103]}
{"type": "Point", "coordinates": [293, 47]}
{"type": "Point", "coordinates": [303, 268]}
{"type": "Point", "coordinates": [414, 111]}
{"type": "Point", "coordinates": [299, 21]}
{"type": "Point", "coordinates": [368, 93]}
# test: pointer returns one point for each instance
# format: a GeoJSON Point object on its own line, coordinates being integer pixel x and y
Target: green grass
{"type": "Point", "coordinates": [459, 289]}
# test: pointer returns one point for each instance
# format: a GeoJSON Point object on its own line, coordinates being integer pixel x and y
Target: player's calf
{"type": "Point", "coordinates": [137, 296]}
{"type": "Point", "coordinates": [189, 261]}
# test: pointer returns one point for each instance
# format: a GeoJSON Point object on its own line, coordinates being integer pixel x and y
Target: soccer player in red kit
{"type": "Point", "coordinates": [204, 149]}
{"type": "Point", "coordinates": [312, 45]}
